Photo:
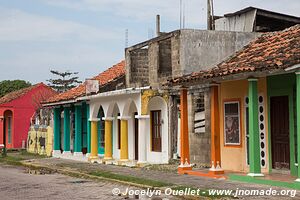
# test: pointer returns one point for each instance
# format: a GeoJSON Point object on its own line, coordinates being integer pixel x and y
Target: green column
{"type": "Point", "coordinates": [78, 128]}
{"type": "Point", "coordinates": [66, 129]}
{"type": "Point", "coordinates": [254, 146]}
{"type": "Point", "coordinates": [298, 121]}
{"type": "Point", "coordinates": [88, 128]}
{"type": "Point", "coordinates": [56, 129]}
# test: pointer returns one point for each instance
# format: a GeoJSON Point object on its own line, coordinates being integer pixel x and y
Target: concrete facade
{"type": "Point", "coordinates": [181, 52]}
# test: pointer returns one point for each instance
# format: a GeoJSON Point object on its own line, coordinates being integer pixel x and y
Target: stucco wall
{"type": "Point", "coordinates": [23, 109]}
{"type": "Point", "coordinates": [40, 141]}
{"type": "Point", "coordinates": [234, 157]}
{"type": "Point", "coordinates": [200, 49]}
{"type": "Point", "coordinates": [158, 103]}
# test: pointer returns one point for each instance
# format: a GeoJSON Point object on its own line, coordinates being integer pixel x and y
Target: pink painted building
{"type": "Point", "coordinates": [16, 110]}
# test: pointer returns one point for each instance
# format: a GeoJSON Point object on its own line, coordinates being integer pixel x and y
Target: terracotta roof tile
{"type": "Point", "coordinates": [105, 77]}
{"type": "Point", "coordinates": [271, 51]}
{"type": "Point", "coordinates": [19, 93]}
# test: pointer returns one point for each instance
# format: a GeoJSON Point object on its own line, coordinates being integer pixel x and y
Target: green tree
{"type": "Point", "coordinates": [8, 86]}
{"type": "Point", "coordinates": [67, 80]}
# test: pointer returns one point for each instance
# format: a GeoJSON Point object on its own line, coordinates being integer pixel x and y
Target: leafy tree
{"type": "Point", "coordinates": [66, 80]}
{"type": "Point", "coordinates": [8, 86]}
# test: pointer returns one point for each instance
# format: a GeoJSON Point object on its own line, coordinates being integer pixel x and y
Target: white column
{"type": "Point", "coordinates": [142, 138]}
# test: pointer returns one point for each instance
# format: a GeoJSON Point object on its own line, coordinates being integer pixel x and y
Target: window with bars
{"type": "Point", "coordinates": [199, 115]}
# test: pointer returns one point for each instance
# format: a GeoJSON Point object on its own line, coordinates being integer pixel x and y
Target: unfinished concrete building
{"type": "Point", "coordinates": [178, 53]}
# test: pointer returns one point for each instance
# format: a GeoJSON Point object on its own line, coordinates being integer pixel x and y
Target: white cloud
{"type": "Point", "coordinates": [16, 25]}
{"type": "Point", "coordinates": [35, 64]}
{"type": "Point", "coordinates": [139, 10]}
{"type": "Point", "coordinates": [195, 10]}
{"type": "Point", "coordinates": [31, 44]}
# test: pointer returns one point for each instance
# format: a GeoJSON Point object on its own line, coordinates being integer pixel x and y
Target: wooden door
{"type": "Point", "coordinates": [280, 132]}
{"type": "Point", "coordinates": [136, 138]}
{"type": "Point", "coordinates": [156, 130]}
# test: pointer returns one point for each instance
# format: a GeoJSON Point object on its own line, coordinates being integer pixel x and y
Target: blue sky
{"type": "Point", "coordinates": [88, 36]}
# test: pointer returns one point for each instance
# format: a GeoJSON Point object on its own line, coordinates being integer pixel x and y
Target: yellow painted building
{"type": "Point", "coordinates": [40, 141]}
{"type": "Point", "coordinates": [234, 157]}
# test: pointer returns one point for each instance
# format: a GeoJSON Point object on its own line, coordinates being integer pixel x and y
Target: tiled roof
{"type": "Point", "coordinates": [271, 51]}
{"type": "Point", "coordinates": [19, 93]}
{"type": "Point", "coordinates": [105, 77]}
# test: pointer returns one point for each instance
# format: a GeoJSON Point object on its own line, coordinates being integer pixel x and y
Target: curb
{"type": "Point", "coordinates": [81, 174]}
{"type": "Point", "coordinates": [98, 178]}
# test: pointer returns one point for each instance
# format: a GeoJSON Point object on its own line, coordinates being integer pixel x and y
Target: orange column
{"type": "Point", "coordinates": [184, 134]}
{"type": "Point", "coordinates": [215, 132]}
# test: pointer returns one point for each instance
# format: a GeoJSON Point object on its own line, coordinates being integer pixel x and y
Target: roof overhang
{"type": "Point", "coordinates": [293, 68]}
{"type": "Point", "coordinates": [59, 103]}
{"type": "Point", "coordinates": [100, 95]}
{"type": "Point", "coordinates": [194, 83]}
{"type": "Point", "coordinates": [114, 93]}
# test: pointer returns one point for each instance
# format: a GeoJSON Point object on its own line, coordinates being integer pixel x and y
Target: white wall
{"type": "Point", "coordinates": [126, 105]}
{"type": "Point", "coordinates": [116, 151]}
{"type": "Point", "coordinates": [158, 103]}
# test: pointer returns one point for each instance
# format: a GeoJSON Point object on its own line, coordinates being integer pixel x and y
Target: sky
{"type": "Point", "coordinates": [88, 36]}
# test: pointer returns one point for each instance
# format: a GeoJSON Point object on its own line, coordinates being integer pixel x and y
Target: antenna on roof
{"type": "Point", "coordinates": [180, 20]}
{"type": "Point", "coordinates": [210, 15]}
{"type": "Point", "coordinates": [126, 38]}
{"type": "Point", "coordinates": [183, 16]}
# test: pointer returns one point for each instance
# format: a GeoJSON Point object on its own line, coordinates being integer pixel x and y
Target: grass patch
{"type": "Point", "coordinates": [130, 179]}
{"type": "Point", "coordinates": [11, 160]}
{"type": "Point", "coordinates": [15, 157]}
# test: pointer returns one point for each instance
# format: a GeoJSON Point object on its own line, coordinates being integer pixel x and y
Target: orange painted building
{"type": "Point", "coordinates": [255, 107]}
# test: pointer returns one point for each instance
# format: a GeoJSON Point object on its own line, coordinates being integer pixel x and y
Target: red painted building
{"type": "Point", "coordinates": [16, 110]}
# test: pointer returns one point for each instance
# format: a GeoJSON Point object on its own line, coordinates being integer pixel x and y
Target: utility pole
{"type": "Point", "coordinates": [126, 38]}
{"type": "Point", "coordinates": [180, 14]}
{"type": "Point", "coordinates": [209, 27]}
{"type": "Point", "coordinates": [210, 15]}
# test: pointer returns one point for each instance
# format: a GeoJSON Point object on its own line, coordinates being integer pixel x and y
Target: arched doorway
{"type": "Point", "coordinates": [116, 129]}
{"type": "Point", "coordinates": [101, 132]}
{"type": "Point", "coordinates": [133, 129]}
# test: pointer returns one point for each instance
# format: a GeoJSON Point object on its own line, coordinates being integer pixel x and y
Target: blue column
{"type": "Point", "coordinates": [78, 128]}
{"type": "Point", "coordinates": [56, 129]}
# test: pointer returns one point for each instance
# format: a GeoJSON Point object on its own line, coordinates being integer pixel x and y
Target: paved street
{"type": "Point", "coordinates": [16, 184]}
{"type": "Point", "coordinates": [169, 177]}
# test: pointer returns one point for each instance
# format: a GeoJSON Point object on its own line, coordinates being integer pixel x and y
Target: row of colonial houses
{"type": "Point", "coordinates": [227, 99]}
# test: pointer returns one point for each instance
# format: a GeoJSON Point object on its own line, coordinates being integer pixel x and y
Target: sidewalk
{"type": "Point", "coordinates": [168, 177]}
